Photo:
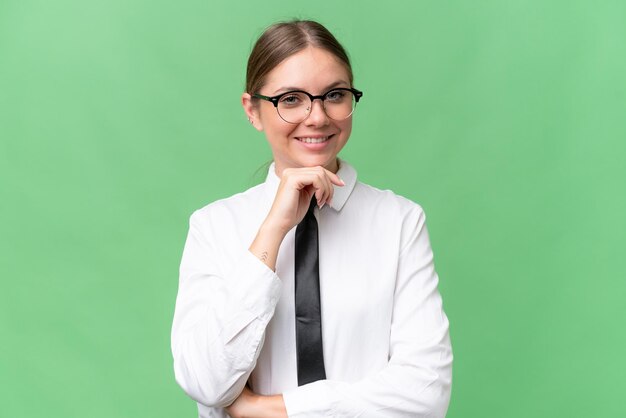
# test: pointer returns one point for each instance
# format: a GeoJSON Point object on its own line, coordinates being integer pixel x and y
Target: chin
{"type": "Point", "coordinates": [312, 162]}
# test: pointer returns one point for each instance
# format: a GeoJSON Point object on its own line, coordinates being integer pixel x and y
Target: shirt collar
{"type": "Point", "coordinates": [346, 172]}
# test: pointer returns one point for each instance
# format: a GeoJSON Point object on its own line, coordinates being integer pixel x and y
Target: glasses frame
{"type": "Point", "coordinates": [276, 99]}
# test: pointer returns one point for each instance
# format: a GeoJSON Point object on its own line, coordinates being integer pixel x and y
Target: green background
{"type": "Point", "coordinates": [505, 120]}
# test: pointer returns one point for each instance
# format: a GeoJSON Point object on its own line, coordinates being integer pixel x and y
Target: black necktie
{"type": "Point", "coordinates": [309, 354]}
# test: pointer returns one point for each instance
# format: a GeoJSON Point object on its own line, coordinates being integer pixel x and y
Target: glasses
{"type": "Point", "coordinates": [295, 106]}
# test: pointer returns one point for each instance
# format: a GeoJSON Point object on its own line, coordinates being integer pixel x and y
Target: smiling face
{"type": "Point", "coordinates": [317, 140]}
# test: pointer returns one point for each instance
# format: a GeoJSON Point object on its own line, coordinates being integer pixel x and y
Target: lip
{"type": "Point", "coordinates": [315, 136]}
{"type": "Point", "coordinates": [315, 146]}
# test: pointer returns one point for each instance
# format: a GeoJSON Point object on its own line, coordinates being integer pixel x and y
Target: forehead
{"type": "Point", "coordinates": [312, 69]}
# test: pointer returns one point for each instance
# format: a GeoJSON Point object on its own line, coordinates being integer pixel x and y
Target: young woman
{"type": "Point", "coordinates": [254, 335]}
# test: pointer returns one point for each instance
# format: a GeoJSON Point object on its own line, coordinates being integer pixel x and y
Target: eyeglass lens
{"type": "Point", "coordinates": [295, 107]}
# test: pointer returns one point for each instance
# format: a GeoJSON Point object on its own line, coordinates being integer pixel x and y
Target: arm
{"type": "Point", "coordinates": [221, 316]}
{"type": "Point", "coordinates": [251, 405]}
{"type": "Point", "coordinates": [417, 379]}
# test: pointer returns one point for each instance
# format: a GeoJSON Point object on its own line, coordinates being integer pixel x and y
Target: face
{"type": "Point", "coordinates": [315, 71]}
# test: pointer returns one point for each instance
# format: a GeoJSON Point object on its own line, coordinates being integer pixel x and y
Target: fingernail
{"type": "Point", "coordinates": [343, 183]}
{"type": "Point", "coordinates": [322, 205]}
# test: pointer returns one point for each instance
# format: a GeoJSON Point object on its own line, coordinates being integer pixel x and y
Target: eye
{"type": "Point", "coordinates": [291, 99]}
{"type": "Point", "coordinates": [336, 95]}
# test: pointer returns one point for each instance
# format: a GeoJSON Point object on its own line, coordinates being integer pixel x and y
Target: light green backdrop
{"type": "Point", "coordinates": [505, 120]}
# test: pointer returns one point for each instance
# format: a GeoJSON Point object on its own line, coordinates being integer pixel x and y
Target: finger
{"type": "Point", "coordinates": [327, 187]}
{"type": "Point", "coordinates": [320, 195]}
{"type": "Point", "coordinates": [334, 178]}
{"type": "Point", "coordinates": [329, 190]}
{"type": "Point", "coordinates": [303, 180]}
{"type": "Point", "coordinates": [322, 182]}
{"type": "Point", "coordinates": [331, 178]}
{"type": "Point", "coordinates": [317, 179]}
{"type": "Point", "coordinates": [322, 173]}
{"type": "Point", "coordinates": [315, 182]}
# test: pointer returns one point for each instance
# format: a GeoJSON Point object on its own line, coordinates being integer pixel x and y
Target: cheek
{"type": "Point", "coordinates": [346, 129]}
{"type": "Point", "coordinates": [276, 129]}
{"type": "Point", "coordinates": [268, 116]}
{"type": "Point", "coordinates": [283, 131]}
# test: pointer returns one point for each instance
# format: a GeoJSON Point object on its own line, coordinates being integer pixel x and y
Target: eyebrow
{"type": "Point", "coordinates": [329, 87]}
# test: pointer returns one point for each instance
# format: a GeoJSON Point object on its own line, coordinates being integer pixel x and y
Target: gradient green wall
{"type": "Point", "coordinates": [504, 119]}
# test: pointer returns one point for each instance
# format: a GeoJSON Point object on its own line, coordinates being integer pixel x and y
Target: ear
{"type": "Point", "coordinates": [252, 111]}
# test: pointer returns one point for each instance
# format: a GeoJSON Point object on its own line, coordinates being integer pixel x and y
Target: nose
{"type": "Point", "coordinates": [317, 116]}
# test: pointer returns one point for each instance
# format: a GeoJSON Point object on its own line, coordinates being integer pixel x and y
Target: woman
{"type": "Point", "coordinates": [376, 343]}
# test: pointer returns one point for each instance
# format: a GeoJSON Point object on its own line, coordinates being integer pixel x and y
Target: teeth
{"type": "Point", "coordinates": [314, 140]}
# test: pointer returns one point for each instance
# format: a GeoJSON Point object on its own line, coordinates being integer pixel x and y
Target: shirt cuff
{"type": "Point", "coordinates": [255, 284]}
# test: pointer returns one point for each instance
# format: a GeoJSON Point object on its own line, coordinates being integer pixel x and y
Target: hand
{"type": "Point", "coordinates": [297, 187]}
{"type": "Point", "coordinates": [251, 405]}
{"type": "Point", "coordinates": [242, 405]}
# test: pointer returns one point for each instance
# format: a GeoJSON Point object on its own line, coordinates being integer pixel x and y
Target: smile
{"type": "Point", "coordinates": [317, 140]}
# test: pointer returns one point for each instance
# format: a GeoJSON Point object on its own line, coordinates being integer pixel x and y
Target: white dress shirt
{"type": "Point", "coordinates": [386, 346]}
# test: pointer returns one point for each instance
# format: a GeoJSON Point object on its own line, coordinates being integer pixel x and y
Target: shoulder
{"type": "Point", "coordinates": [384, 210]}
{"type": "Point", "coordinates": [364, 198]}
{"type": "Point", "coordinates": [231, 208]}
{"type": "Point", "coordinates": [384, 199]}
